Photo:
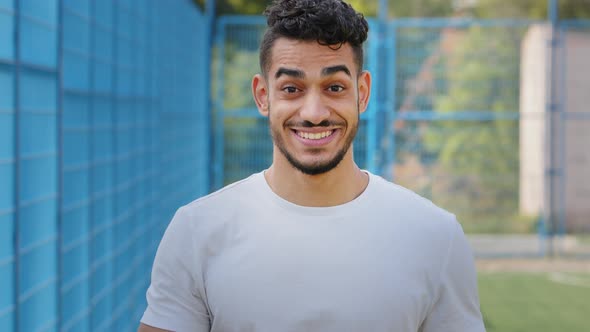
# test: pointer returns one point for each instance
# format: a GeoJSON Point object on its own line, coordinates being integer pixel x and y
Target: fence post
{"type": "Point", "coordinates": [382, 88]}
{"type": "Point", "coordinates": [554, 130]}
{"type": "Point", "coordinates": [17, 165]}
{"type": "Point", "coordinates": [60, 163]}
{"type": "Point", "coordinates": [210, 16]}
{"type": "Point", "coordinates": [390, 100]}
{"type": "Point", "coordinates": [218, 142]}
{"type": "Point", "coordinates": [372, 119]}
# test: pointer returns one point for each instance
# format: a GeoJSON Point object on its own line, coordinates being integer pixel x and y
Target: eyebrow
{"type": "Point", "coordinates": [335, 69]}
{"type": "Point", "coordinates": [290, 72]}
{"type": "Point", "coordinates": [296, 73]}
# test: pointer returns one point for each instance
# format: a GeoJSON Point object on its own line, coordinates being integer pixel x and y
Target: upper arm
{"type": "Point", "coordinates": [174, 296]}
{"type": "Point", "coordinates": [457, 306]}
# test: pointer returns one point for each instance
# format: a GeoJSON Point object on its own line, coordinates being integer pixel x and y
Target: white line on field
{"type": "Point", "coordinates": [565, 279]}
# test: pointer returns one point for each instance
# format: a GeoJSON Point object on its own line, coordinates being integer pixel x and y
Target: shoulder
{"type": "Point", "coordinates": [415, 216]}
{"type": "Point", "coordinates": [208, 218]}
{"type": "Point", "coordinates": [238, 190]}
{"type": "Point", "coordinates": [226, 198]}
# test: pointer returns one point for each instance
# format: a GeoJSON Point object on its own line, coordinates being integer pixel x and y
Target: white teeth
{"type": "Point", "coordinates": [314, 136]}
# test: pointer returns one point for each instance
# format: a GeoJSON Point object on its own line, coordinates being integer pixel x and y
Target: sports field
{"type": "Point", "coordinates": [522, 296]}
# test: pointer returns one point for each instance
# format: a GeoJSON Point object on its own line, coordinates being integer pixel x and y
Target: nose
{"type": "Point", "coordinates": [314, 109]}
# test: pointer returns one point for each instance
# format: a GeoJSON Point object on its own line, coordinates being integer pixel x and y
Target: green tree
{"type": "Point", "coordinates": [256, 7]}
{"type": "Point", "coordinates": [476, 166]}
{"type": "Point", "coordinates": [533, 9]}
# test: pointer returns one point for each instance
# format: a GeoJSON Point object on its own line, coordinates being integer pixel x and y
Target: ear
{"type": "Point", "coordinates": [260, 94]}
{"type": "Point", "coordinates": [364, 90]}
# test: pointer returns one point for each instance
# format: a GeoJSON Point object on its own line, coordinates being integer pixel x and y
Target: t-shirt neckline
{"type": "Point", "coordinates": [345, 208]}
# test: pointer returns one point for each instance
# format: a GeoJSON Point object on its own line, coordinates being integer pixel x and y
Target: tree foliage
{"type": "Point", "coordinates": [532, 9]}
{"type": "Point", "coordinates": [477, 161]}
{"type": "Point", "coordinates": [256, 7]}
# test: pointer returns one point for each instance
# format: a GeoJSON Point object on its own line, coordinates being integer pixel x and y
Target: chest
{"type": "Point", "coordinates": [321, 281]}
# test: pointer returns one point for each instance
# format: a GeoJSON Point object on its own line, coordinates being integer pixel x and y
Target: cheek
{"type": "Point", "coordinates": [280, 108]}
{"type": "Point", "coordinates": [347, 106]}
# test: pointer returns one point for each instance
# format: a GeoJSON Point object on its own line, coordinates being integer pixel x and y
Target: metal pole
{"type": "Point", "coordinates": [552, 121]}
{"type": "Point", "coordinates": [211, 22]}
{"type": "Point", "coordinates": [390, 99]}
{"type": "Point", "coordinates": [60, 162]}
{"type": "Point", "coordinates": [17, 166]}
{"type": "Point", "coordinates": [553, 12]}
{"type": "Point", "coordinates": [372, 155]}
{"type": "Point", "coordinates": [210, 11]}
{"type": "Point", "coordinates": [384, 116]}
{"type": "Point", "coordinates": [218, 162]}
{"type": "Point", "coordinates": [383, 11]}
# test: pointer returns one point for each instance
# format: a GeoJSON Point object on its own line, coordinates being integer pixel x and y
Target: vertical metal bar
{"type": "Point", "coordinates": [383, 10]}
{"type": "Point", "coordinates": [114, 174]}
{"type": "Point", "coordinates": [139, 114]}
{"type": "Point", "coordinates": [391, 99]}
{"type": "Point", "coordinates": [156, 209]}
{"type": "Point", "coordinates": [553, 11]}
{"type": "Point", "coordinates": [60, 140]}
{"type": "Point", "coordinates": [17, 163]}
{"type": "Point", "coordinates": [219, 111]}
{"type": "Point", "coordinates": [372, 139]}
{"type": "Point", "coordinates": [561, 228]}
{"type": "Point", "coordinates": [551, 111]}
{"type": "Point", "coordinates": [382, 89]}
{"type": "Point", "coordinates": [211, 19]}
{"type": "Point", "coordinates": [210, 11]}
{"type": "Point", "coordinates": [91, 132]}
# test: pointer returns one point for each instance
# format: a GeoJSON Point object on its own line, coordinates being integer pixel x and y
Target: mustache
{"type": "Point", "coordinates": [309, 124]}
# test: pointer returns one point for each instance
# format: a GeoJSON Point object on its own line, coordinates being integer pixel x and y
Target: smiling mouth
{"type": "Point", "coordinates": [315, 136]}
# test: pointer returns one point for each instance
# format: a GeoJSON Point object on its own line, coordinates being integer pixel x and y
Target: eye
{"type": "Point", "coordinates": [336, 88]}
{"type": "Point", "coordinates": [290, 89]}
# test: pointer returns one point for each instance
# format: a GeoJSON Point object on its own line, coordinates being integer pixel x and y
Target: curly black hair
{"type": "Point", "coordinates": [329, 22]}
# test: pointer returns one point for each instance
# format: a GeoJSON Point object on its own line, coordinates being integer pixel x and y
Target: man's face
{"type": "Point", "coordinates": [313, 97]}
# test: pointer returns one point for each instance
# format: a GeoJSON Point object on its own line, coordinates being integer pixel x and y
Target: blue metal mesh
{"type": "Point", "coordinates": [103, 133]}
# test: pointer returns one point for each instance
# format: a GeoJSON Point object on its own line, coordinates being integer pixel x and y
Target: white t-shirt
{"type": "Point", "coordinates": [244, 259]}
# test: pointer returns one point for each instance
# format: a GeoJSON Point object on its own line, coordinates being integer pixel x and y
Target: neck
{"type": "Point", "coordinates": [338, 186]}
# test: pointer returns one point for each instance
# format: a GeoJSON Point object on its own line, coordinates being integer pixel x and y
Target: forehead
{"type": "Point", "coordinates": [309, 56]}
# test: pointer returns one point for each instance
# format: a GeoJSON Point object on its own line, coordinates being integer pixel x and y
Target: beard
{"type": "Point", "coordinates": [320, 166]}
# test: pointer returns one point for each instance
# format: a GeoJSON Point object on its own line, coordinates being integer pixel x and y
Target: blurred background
{"type": "Point", "coordinates": [114, 113]}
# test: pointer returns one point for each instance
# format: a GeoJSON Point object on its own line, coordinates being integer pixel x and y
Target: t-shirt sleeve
{"type": "Point", "coordinates": [457, 306]}
{"type": "Point", "coordinates": [174, 296]}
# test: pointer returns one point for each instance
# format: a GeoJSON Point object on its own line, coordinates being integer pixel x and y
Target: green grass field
{"type": "Point", "coordinates": [535, 302]}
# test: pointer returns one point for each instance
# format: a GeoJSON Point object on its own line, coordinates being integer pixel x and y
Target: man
{"type": "Point", "coordinates": [313, 243]}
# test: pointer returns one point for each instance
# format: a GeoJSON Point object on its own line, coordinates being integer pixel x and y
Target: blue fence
{"type": "Point", "coordinates": [104, 132]}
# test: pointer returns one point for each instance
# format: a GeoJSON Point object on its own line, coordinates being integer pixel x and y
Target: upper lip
{"type": "Point", "coordinates": [314, 130]}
